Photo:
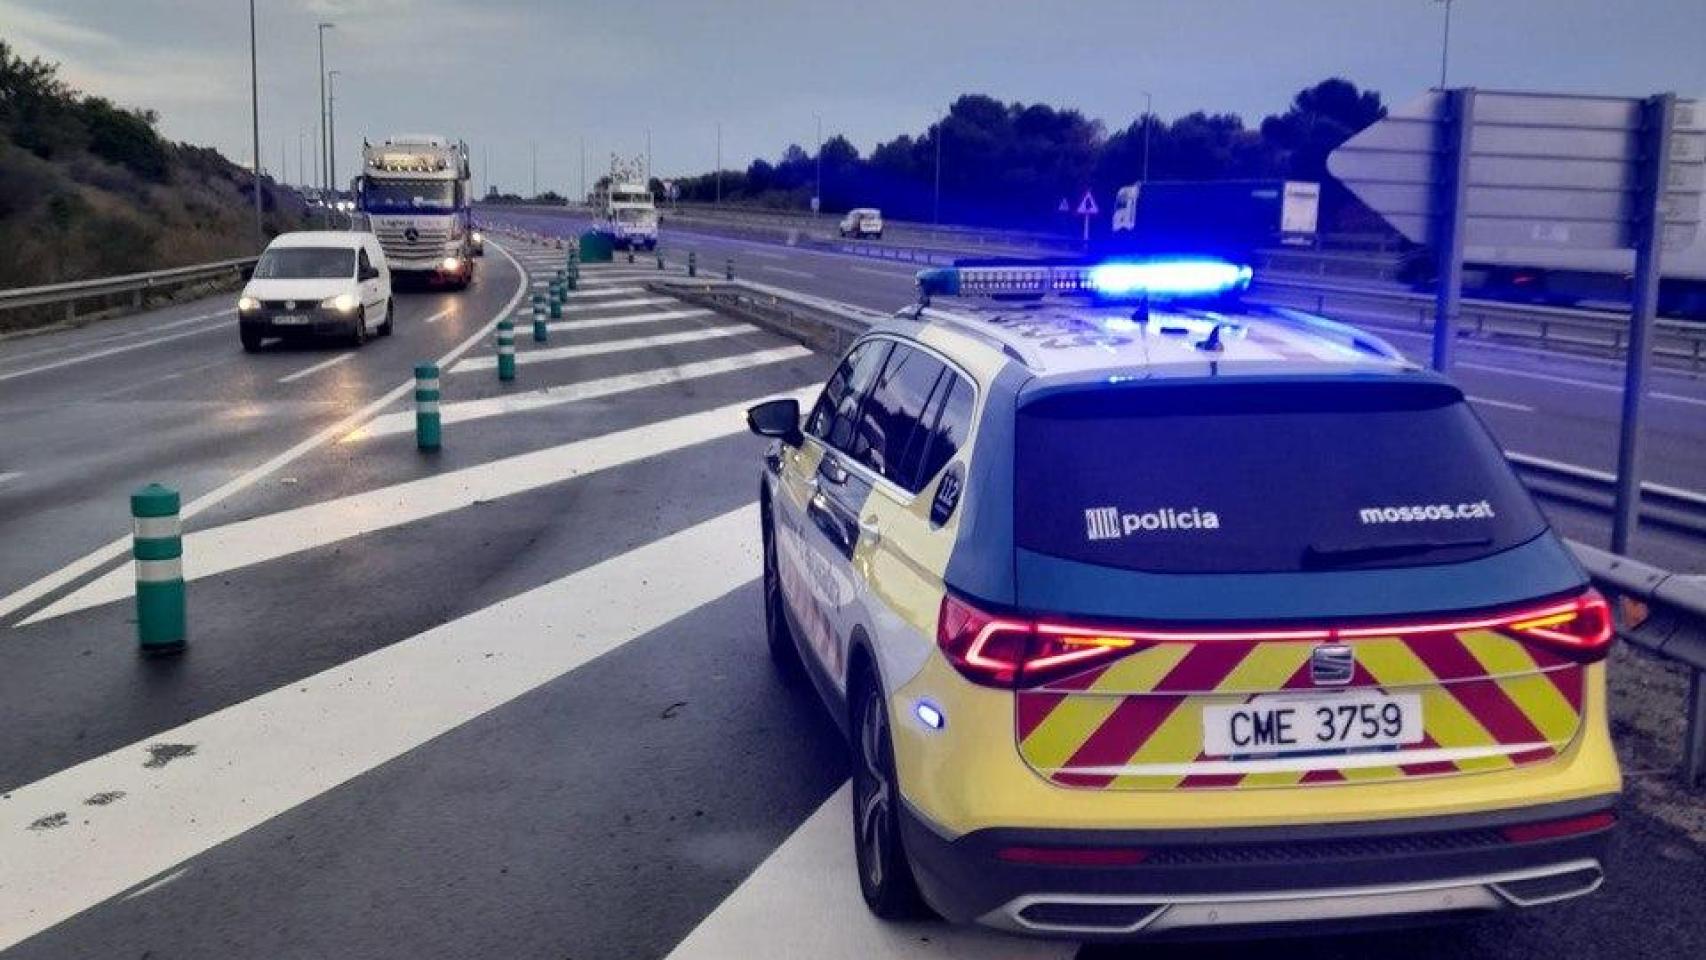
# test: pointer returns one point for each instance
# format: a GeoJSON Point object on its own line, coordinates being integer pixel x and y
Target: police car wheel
{"type": "Point", "coordinates": [885, 876]}
{"type": "Point", "coordinates": [783, 653]}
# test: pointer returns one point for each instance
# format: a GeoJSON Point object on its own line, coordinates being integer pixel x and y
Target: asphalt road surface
{"type": "Point", "coordinates": [508, 700]}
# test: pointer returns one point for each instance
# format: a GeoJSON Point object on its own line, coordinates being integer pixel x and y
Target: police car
{"type": "Point", "coordinates": [1148, 613]}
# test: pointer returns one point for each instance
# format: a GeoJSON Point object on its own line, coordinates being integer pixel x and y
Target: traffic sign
{"type": "Point", "coordinates": [1087, 206]}
{"type": "Point", "coordinates": [1545, 172]}
{"type": "Point", "coordinates": [1064, 207]}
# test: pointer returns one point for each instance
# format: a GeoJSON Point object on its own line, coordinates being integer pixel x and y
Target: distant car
{"type": "Point", "coordinates": [476, 243]}
{"type": "Point", "coordinates": [317, 283]}
{"type": "Point", "coordinates": [1148, 612]}
{"type": "Point", "coordinates": [863, 222]}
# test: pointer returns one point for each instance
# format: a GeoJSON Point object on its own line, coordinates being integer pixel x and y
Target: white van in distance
{"type": "Point", "coordinates": [317, 282]}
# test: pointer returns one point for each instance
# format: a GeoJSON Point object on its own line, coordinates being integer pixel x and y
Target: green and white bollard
{"type": "Point", "coordinates": [427, 426]}
{"type": "Point", "coordinates": [541, 333]}
{"type": "Point", "coordinates": [660, 258]}
{"type": "Point", "coordinates": [729, 269]}
{"type": "Point", "coordinates": [506, 350]}
{"type": "Point", "coordinates": [630, 254]}
{"type": "Point", "coordinates": [159, 551]}
{"type": "Point", "coordinates": [693, 263]}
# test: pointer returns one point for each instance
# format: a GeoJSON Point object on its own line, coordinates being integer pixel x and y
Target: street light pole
{"type": "Point", "coordinates": [936, 207]}
{"type": "Point", "coordinates": [325, 178]}
{"type": "Point", "coordinates": [1444, 43]}
{"type": "Point", "coordinates": [1148, 110]}
{"type": "Point", "coordinates": [719, 161]}
{"type": "Point", "coordinates": [583, 170]}
{"type": "Point", "coordinates": [817, 196]}
{"type": "Point", "coordinates": [533, 155]}
{"type": "Point", "coordinates": [301, 171]}
{"type": "Point", "coordinates": [255, 120]}
{"type": "Point", "coordinates": [332, 128]}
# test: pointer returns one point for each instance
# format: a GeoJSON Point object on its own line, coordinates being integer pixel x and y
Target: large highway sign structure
{"type": "Point", "coordinates": [1507, 173]}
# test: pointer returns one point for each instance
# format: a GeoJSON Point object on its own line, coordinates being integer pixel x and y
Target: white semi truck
{"type": "Point", "coordinates": [625, 209]}
{"type": "Point", "coordinates": [415, 191]}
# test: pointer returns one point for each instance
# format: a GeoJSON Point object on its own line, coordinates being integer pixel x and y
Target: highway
{"type": "Point", "coordinates": [512, 699]}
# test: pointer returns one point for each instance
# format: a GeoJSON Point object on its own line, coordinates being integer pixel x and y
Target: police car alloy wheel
{"type": "Point", "coordinates": [885, 877]}
{"type": "Point", "coordinates": [783, 653]}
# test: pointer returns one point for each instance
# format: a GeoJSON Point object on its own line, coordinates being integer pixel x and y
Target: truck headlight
{"type": "Point", "coordinates": [451, 264]}
{"type": "Point", "coordinates": [479, 237]}
{"type": "Point", "coordinates": [247, 304]}
{"type": "Point", "coordinates": [342, 303]}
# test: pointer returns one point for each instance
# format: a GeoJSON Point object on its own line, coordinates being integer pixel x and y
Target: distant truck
{"type": "Point", "coordinates": [1230, 217]}
{"type": "Point", "coordinates": [415, 191]}
{"type": "Point", "coordinates": [1567, 278]}
{"type": "Point", "coordinates": [625, 209]}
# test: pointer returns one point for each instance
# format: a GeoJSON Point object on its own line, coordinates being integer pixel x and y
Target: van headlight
{"type": "Point", "coordinates": [451, 264]}
{"type": "Point", "coordinates": [247, 304]}
{"type": "Point", "coordinates": [342, 303]}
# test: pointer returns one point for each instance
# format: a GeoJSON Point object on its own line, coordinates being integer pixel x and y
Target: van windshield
{"type": "Point", "coordinates": [1264, 478]}
{"type": "Point", "coordinates": [306, 263]}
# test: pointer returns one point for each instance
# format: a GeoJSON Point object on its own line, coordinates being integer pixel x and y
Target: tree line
{"type": "Point", "coordinates": [1011, 164]}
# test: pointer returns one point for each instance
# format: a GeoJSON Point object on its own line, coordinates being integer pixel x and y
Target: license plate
{"type": "Point", "coordinates": [1349, 721]}
{"type": "Point", "coordinates": [289, 320]}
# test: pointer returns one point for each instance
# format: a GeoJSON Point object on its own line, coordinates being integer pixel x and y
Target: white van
{"type": "Point", "coordinates": [863, 222]}
{"type": "Point", "coordinates": [317, 283]}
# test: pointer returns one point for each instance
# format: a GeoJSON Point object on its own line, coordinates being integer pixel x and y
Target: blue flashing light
{"type": "Point", "coordinates": [1168, 278]}
{"type": "Point", "coordinates": [929, 715]}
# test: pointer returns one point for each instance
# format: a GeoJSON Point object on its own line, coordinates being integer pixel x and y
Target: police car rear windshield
{"type": "Point", "coordinates": [1264, 477]}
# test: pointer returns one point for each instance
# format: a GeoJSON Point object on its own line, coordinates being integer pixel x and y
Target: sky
{"type": "Point", "coordinates": [526, 79]}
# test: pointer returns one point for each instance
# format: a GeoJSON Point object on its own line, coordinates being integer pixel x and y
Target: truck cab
{"type": "Point", "coordinates": [415, 192]}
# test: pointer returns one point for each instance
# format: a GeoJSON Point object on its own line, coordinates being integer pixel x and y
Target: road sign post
{"type": "Point", "coordinates": [1454, 191]}
{"type": "Point", "coordinates": [1087, 208]}
{"type": "Point", "coordinates": [1658, 113]}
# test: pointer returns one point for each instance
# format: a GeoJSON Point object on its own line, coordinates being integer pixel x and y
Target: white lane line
{"type": "Point", "coordinates": [604, 292]}
{"type": "Point", "coordinates": [891, 274]}
{"type": "Point", "coordinates": [316, 368]}
{"type": "Point", "coordinates": [803, 901]}
{"type": "Point", "coordinates": [1573, 382]}
{"type": "Point", "coordinates": [110, 351]}
{"type": "Point", "coordinates": [767, 255]}
{"type": "Point", "coordinates": [1502, 404]}
{"type": "Point", "coordinates": [599, 323]}
{"type": "Point", "coordinates": [552, 354]}
{"type": "Point", "coordinates": [404, 421]}
{"type": "Point", "coordinates": [260, 539]}
{"type": "Point", "coordinates": [126, 335]}
{"type": "Point", "coordinates": [260, 758]}
{"type": "Point", "coordinates": [1678, 398]}
{"type": "Point", "coordinates": [630, 302]}
{"type": "Point", "coordinates": [439, 315]}
{"type": "Point", "coordinates": [95, 559]}
{"type": "Point", "coordinates": [787, 272]}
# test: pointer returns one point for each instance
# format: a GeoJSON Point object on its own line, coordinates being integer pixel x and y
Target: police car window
{"type": "Point", "coordinates": [949, 423]}
{"type": "Point", "coordinates": [889, 417]}
{"type": "Point", "coordinates": [1264, 478]}
{"type": "Point", "coordinates": [832, 419]}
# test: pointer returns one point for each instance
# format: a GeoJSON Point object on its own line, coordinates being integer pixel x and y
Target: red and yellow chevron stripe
{"type": "Point", "coordinates": [1490, 701]}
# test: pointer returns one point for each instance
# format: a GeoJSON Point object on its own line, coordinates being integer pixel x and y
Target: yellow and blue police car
{"type": "Point", "coordinates": [1151, 613]}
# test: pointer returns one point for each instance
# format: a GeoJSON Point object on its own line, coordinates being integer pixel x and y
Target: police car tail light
{"type": "Point", "coordinates": [1012, 652]}
{"type": "Point", "coordinates": [1580, 628]}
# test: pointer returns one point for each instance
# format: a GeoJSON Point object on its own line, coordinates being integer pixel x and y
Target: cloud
{"type": "Point", "coordinates": [141, 78]}
{"type": "Point", "coordinates": [36, 28]}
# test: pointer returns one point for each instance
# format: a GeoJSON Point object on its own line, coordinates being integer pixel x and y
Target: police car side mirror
{"type": "Point", "coordinates": [779, 419]}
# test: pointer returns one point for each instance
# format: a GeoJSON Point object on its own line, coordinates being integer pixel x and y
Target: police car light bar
{"type": "Point", "coordinates": [1161, 278]}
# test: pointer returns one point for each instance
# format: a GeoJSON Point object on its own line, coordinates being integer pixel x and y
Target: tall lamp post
{"type": "Point", "coordinates": [1444, 43]}
{"type": "Point", "coordinates": [325, 151]}
{"type": "Point", "coordinates": [255, 121]}
{"type": "Point", "coordinates": [1148, 111]}
{"type": "Point", "coordinates": [817, 195]}
{"type": "Point", "coordinates": [332, 127]}
{"type": "Point", "coordinates": [936, 205]}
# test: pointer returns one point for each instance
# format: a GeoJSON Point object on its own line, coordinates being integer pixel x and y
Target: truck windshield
{"type": "Point", "coordinates": [409, 196]}
{"type": "Point", "coordinates": [306, 263]}
{"type": "Point", "coordinates": [1186, 479]}
{"type": "Point", "coordinates": [633, 215]}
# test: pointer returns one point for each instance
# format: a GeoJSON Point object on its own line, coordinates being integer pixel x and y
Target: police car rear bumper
{"type": "Point", "coordinates": [1251, 881]}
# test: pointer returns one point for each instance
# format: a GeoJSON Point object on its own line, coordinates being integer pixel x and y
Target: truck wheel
{"type": "Point", "coordinates": [251, 339]}
{"type": "Point", "coordinates": [390, 318]}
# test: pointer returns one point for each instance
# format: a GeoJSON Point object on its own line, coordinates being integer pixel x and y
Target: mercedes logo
{"type": "Point", "coordinates": [290, 304]}
{"type": "Point", "coordinates": [411, 234]}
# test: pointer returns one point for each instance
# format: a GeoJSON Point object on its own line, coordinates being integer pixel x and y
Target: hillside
{"type": "Point", "coordinates": [89, 188]}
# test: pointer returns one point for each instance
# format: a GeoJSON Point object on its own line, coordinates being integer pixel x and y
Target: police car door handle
{"type": "Point", "coordinates": [871, 527]}
{"type": "Point", "coordinates": [833, 471]}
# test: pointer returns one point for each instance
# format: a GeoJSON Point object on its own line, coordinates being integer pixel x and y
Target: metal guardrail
{"type": "Point", "coordinates": [1658, 611]}
{"type": "Point", "coordinates": [138, 285]}
{"type": "Point", "coordinates": [1678, 340]}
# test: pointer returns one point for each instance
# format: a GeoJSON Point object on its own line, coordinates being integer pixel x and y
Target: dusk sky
{"type": "Point", "coordinates": [503, 74]}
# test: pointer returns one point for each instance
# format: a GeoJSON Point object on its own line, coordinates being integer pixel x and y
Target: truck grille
{"type": "Point", "coordinates": [424, 241]}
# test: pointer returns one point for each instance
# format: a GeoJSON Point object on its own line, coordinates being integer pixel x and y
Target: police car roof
{"type": "Point", "coordinates": [1069, 338]}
